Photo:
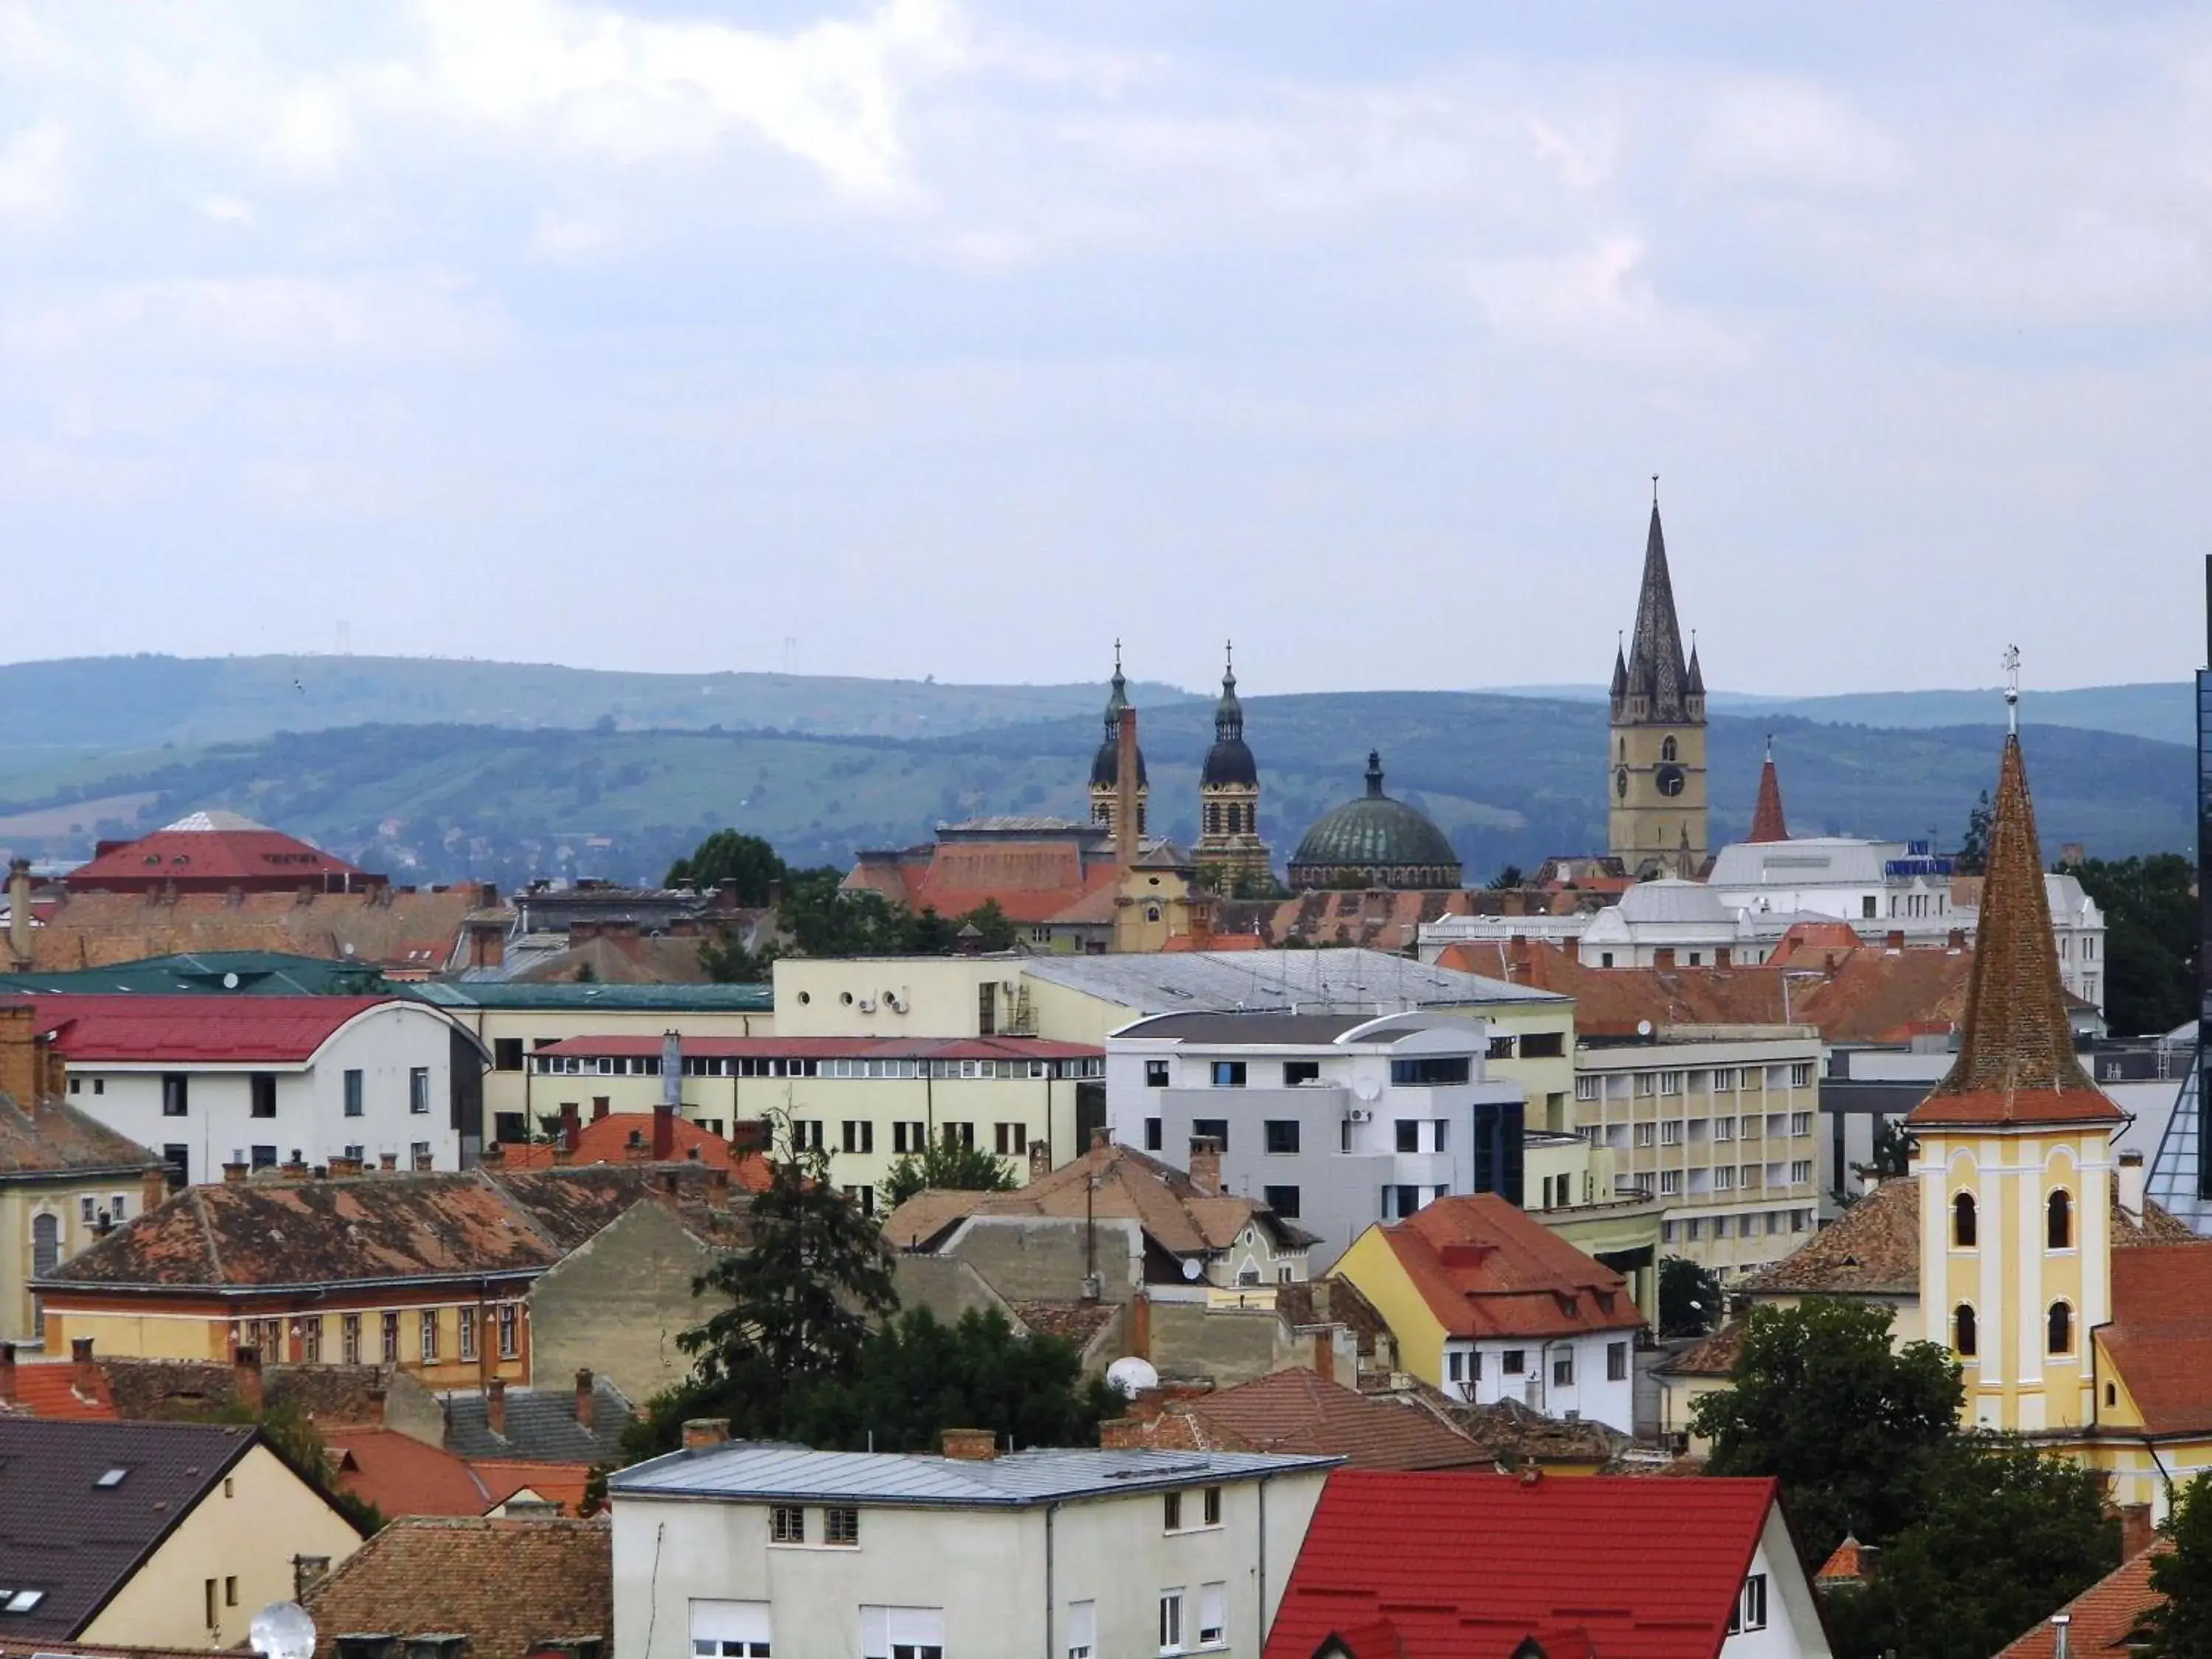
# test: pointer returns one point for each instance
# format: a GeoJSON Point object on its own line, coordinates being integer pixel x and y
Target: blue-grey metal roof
{"type": "Point", "coordinates": [1220, 982]}
{"type": "Point", "coordinates": [754, 1470]}
{"type": "Point", "coordinates": [582, 998]}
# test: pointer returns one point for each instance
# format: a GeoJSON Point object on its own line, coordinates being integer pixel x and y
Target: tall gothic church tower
{"type": "Point", "coordinates": [1106, 764]}
{"type": "Point", "coordinates": [1228, 799]}
{"type": "Point", "coordinates": [1656, 783]}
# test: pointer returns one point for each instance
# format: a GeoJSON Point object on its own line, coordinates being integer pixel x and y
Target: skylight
{"type": "Point", "coordinates": [22, 1601]}
{"type": "Point", "coordinates": [112, 1477]}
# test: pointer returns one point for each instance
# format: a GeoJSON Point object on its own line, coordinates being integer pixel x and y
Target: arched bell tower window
{"type": "Point", "coordinates": [1962, 1221]}
{"type": "Point", "coordinates": [1666, 750]}
{"type": "Point", "coordinates": [2061, 1331]}
{"type": "Point", "coordinates": [1963, 1335]}
{"type": "Point", "coordinates": [2058, 1228]}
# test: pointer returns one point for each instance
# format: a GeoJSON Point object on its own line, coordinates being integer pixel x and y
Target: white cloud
{"type": "Point", "coordinates": [32, 174]}
{"type": "Point", "coordinates": [1600, 302]}
{"type": "Point", "coordinates": [1780, 130]}
{"type": "Point", "coordinates": [227, 210]}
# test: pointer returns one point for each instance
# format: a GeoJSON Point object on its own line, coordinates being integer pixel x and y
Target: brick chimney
{"type": "Point", "coordinates": [424, 1163]}
{"type": "Point", "coordinates": [493, 1156]}
{"type": "Point", "coordinates": [19, 911]}
{"type": "Point", "coordinates": [487, 944]}
{"type": "Point", "coordinates": [664, 1132]}
{"type": "Point", "coordinates": [569, 1127]}
{"type": "Point", "coordinates": [1140, 1325]}
{"type": "Point", "coordinates": [7, 1373]}
{"type": "Point", "coordinates": [703, 1433]}
{"type": "Point", "coordinates": [387, 1162]}
{"type": "Point", "coordinates": [1894, 940]}
{"type": "Point", "coordinates": [1126, 836]}
{"type": "Point", "coordinates": [1040, 1159]}
{"type": "Point", "coordinates": [343, 1168]}
{"type": "Point", "coordinates": [969, 1445]}
{"type": "Point", "coordinates": [246, 1378]}
{"type": "Point", "coordinates": [601, 1105]}
{"type": "Point", "coordinates": [233, 1175]}
{"type": "Point", "coordinates": [749, 1135]}
{"type": "Point", "coordinates": [1205, 1164]}
{"type": "Point", "coordinates": [21, 1069]}
{"type": "Point", "coordinates": [584, 1397]}
{"type": "Point", "coordinates": [2136, 1533]}
{"type": "Point", "coordinates": [1121, 1434]}
{"type": "Point", "coordinates": [2131, 1182]}
{"type": "Point", "coordinates": [154, 1188]}
{"type": "Point", "coordinates": [85, 1378]}
{"type": "Point", "coordinates": [496, 1406]}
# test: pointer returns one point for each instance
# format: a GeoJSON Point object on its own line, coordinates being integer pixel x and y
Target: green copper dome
{"type": "Point", "coordinates": [1375, 841]}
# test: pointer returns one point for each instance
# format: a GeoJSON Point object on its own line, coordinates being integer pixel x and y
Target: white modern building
{"type": "Point", "coordinates": [735, 1550]}
{"type": "Point", "coordinates": [1333, 1120]}
{"type": "Point", "coordinates": [205, 1080]}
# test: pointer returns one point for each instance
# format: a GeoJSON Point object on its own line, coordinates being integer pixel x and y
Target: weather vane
{"type": "Point", "coordinates": [2012, 689]}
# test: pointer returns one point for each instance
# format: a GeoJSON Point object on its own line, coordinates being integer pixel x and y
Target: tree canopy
{"type": "Point", "coordinates": [730, 855]}
{"type": "Point", "coordinates": [2181, 1627]}
{"type": "Point", "coordinates": [1690, 1298]}
{"type": "Point", "coordinates": [956, 1166]}
{"type": "Point", "coordinates": [2150, 939]}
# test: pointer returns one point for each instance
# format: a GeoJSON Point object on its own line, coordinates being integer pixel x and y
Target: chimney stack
{"type": "Point", "coordinates": [569, 1127]}
{"type": "Point", "coordinates": [19, 911]}
{"type": "Point", "coordinates": [1125, 792]}
{"type": "Point", "coordinates": [342, 1168]}
{"type": "Point", "coordinates": [1040, 1159]}
{"type": "Point", "coordinates": [2131, 1184]}
{"type": "Point", "coordinates": [7, 1373]}
{"type": "Point", "coordinates": [233, 1175]}
{"type": "Point", "coordinates": [86, 1380]}
{"type": "Point", "coordinates": [21, 1067]}
{"type": "Point", "coordinates": [2136, 1533]}
{"type": "Point", "coordinates": [664, 1132]}
{"type": "Point", "coordinates": [154, 1188]}
{"type": "Point", "coordinates": [424, 1163]}
{"type": "Point", "coordinates": [1205, 1164]}
{"type": "Point", "coordinates": [246, 1378]}
{"type": "Point", "coordinates": [704, 1433]}
{"type": "Point", "coordinates": [387, 1162]}
{"type": "Point", "coordinates": [584, 1397]}
{"type": "Point", "coordinates": [496, 1406]}
{"type": "Point", "coordinates": [969, 1445]}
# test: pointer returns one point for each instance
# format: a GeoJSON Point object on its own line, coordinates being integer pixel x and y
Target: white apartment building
{"type": "Point", "coordinates": [1334, 1121]}
{"type": "Point", "coordinates": [736, 1551]}
{"type": "Point", "coordinates": [1722, 1124]}
{"type": "Point", "coordinates": [206, 1080]}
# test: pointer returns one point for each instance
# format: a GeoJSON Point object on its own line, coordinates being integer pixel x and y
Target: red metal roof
{"type": "Point", "coordinates": [1467, 1566]}
{"type": "Point", "coordinates": [237, 855]}
{"type": "Point", "coordinates": [1485, 1269]}
{"type": "Point", "coordinates": [202, 1029]}
{"type": "Point", "coordinates": [828, 1048]}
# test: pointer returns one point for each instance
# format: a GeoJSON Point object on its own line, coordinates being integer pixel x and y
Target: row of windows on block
{"type": "Point", "coordinates": [858, 1135]}
{"type": "Point", "coordinates": [2057, 1221]}
{"type": "Point", "coordinates": [1192, 1620]}
{"type": "Point", "coordinates": [1724, 1178]}
{"type": "Point", "coordinates": [261, 1092]}
{"type": "Point", "coordinates": [1465, 1365]}
{"type": "Point", "coordinates": [278, 1340]}
{"type": "Point", "coordinates": [1720, 1080]}
{"type": "Point", "coordinates": [1769, 1222]}
{"type": "Point", "coordinates": [987, 1071]}
{"type": "Point", "coordinates": [1682, 1132]}
{"type": "Point", "coordinates": [1437, 1071]}
{"type": "Point", "coordinates": [2057, 1331]}
{"type": "Point", "coordinates": [1281, 1136]}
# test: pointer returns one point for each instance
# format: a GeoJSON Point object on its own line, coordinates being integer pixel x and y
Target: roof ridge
{"type": "Point", "coordinates": [207, 1231]}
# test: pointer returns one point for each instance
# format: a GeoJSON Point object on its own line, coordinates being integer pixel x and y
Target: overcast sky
{"type": "Point", "coordinates": [957, 338]}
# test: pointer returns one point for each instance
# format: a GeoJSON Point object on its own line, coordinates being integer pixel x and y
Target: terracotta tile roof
{"type": "Point", "coordinates": [1711, 1356]}
{"type": "Point", "coordinates": [1131, 1186]}
{"type": "Point", "coordinates": [1296, 1411]}
{"type": "Point", "coordinates": [507, 1586]}
{"type": "Point", "coordinates": [149, 1390]}
{"type": "Point", "coordinates": [402, 1476]}
{"type": "Point", "coordinates": [263, 1235]}
{"type": "Point", "coordinates": [98, 930]}
{"type": "Point", "coordinates": [1845, 1564]}
{"type": "Point", "coordinates": [2104, 1616]}
{"type": "Point", "coordinates": [1467, 1566]}
{"type": "Point", "coordinates": [1508, 1429]}
{"type": "Point", "coordinates": [1485, 1269]}
{"type": "Point", "coordinates": [54, 1389]}
{"type": "Point", "coordinates": [1333, 1301]}
{"type": "Point", "coordinates": [1372, 920]}
{"type": "Point", "coordinates": [2016, 1061]}
{"type": "Point", "coordinates": [607, 1140]}
{"type": "Point", "coordinates": [210, 852]}
{"type": "Point", "coordinates": [198, 1030]}
{"type": "Point", "coordinates": [51, 1136]}
{"type": "Point", "coordinates": [2159, 1339]}
{"type": "Point", "coordinates": [1872, 1249]}
{"type": "Point", "coordinates": [1075, 1322]}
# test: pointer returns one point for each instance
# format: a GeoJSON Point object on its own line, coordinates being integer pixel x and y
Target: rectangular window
{"type": "Point", "coordinates": [1563, 1368]}
{"type": "Point", "coordinates": [1501, 1048]}
{"type": "Point", "coordinates": [262, 1089]}
{"type": "Point", "coordinates": [1666, 1232]}
{"type": "Point", "coordinates": [1750, 1606]}
{"type": "Point", "coordinates": [1409, 1134]}
{"type": "Point", "coordinates": [1724, 1178]}
{"type": "Point", "coordinates": [1800, 1220]}
{"type": "Point", "coordinates": [1646, 1082]}
{"type": "Point", "coordinates": [1800, 1124]}
{"type": "Point", "coordinates": [841, 1526]}
{"type": "Point", "coordinates": [350, 1339]}
{"type": "Point", "coordinates": [1695, 1225]}
{"type": "Point", "coordinates": [1801, 1171]}
{"type": "Point", "coordinates": [1227, 1074]}
{"type": "Point", "coordinates": [1284, 1201]}
{"type": "Point", "coordinates": [1297, 1072]}
{"type": "Point", "coordinates": [1215, 1129]}
{"type": "Point", "coordinates": [1515, 1362]}
{"type": "Point", "coordinates": [311, 1340]}
{"type": "Point", "coordinates": [787, 1524]}
{"type": "Point", "coordinates": [1543, 1045]}
{"type": "Point", "coordinates": [1723, 1128]}
{"type": "Point", "coordinates": [909, 1137]}
{"type": "Point", "coordinates": [1671, 1135]}
{"type": "Point", "coordinates": [1724, 1080]}
{"type": "Point", "coordinates": [506, 1054]}
{"type": "Point", "coordinates": [353, 1093]}
{"type": "Point", "coordinates": [214, 1614]}
{"type": "Point", "coordinates": [1616, 1362]}
{"type": "Point", "coordinates": [1670, 1182]}
{"type": "Point", "coordinates": [859, 1134]}
{"type": "Point", "coordinates": [730, 1630]}
{"type": "Point", "coordinates": [1670, 1083]}
{"type": "Point", "coordinates": [1455, 1366]}
{"type": "Point", "coordinates": [261, 1157]}
{"type": "Point", "coordinates": [1721, 1228]}
{"type": "Point", "coordinates": [1801, 1075]}
{"type": "Point", "coordinates": [1432, 1072]}
{"type": "Point", "coordinates": [1401, 1201]}
{"type": "Point", "coordinates": [1156, 1077]}
{"type": "Point", "coordinates": [1212, 1615]}
{"type": "Point", "coordinates": [1282, 1134]}
{"type": "Point", "coordinates": [429, 1335]}
{"type": "Point", "coordinates": [1153, 1137]}
{"type": "Point", "coordinates": [175, 1092]}
{"type": "Point", "coordinates": [1646, 1133]}
{"type": "Point", "coordinates": [1011, 1139]}
{"type": "Point", "coordinates": [862, 1199]}
{"type": "Point", "coordinates": [1171, 1511]}
{"type": "Point", "coordinates": [1213, 1506]}
{"type": "Point", "coordinates": [1170, 1621]}
{"type": "Point", "coordinates": [390, 1331]}
{"type": "Point", "coordinates": [418, 1091]}
{"type": "Point", "coordinates": [1585, 1088]}
{"type": "Point", "coordinates": [962, 1135]}
{"type": "Point", "coordinates": [1082, 1630]}
{"type": "Point", "coordinates": [806, 1134]}
{"type": "Point", "coordinates": [466, 1319]}
{"type": "Point", "coordinates": [509, 1332]}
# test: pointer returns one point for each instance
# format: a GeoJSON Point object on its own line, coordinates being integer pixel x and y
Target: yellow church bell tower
{"type": "Point", "coordinates": [1655, 819]}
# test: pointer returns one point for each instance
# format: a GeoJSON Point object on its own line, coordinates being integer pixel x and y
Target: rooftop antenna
{"type": "Point", "coordinates": [2012, 689]}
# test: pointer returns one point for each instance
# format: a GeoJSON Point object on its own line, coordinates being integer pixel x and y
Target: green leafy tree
{"type": "Point", "coordinates": [2180, 1627]}
{"type": "Point", "coordinates": [296, 1439]}
{"type": "Point", "coordinates": [2003, 1534]}
{"type": "Point", "coordinates": [797, 1303]}
{"type": "Point", "coordinates": [726, 961]}
{"type": "Point", "coordinates": [728, 855]}
{"type": "Point", "coordinates": [1822, 1402]}
{"type": "Point", "coordinates": [2150, 938]}
{"type": "Point", "coordinates": [1972, 857]}
{"type": "Point", "coordinates": [1507, 878]}
{"type": "Point", "coordinates": [919, 1377]}
{"type": "Point", "coordinates": [956, 1167]}
{"type": "Point", "coordinates": [1690, 1299]}
{"type": "Point", "coordinates": [988, 918]}
{"type": "Point", "coordinates": [1894, 1148]}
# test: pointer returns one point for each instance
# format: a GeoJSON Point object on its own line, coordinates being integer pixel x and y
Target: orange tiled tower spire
{"type": "Point", "coordinates": [1766, 822]}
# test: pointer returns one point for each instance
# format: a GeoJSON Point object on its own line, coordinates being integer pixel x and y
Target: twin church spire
{"type": "Point", "coordinates": [1228, 787]}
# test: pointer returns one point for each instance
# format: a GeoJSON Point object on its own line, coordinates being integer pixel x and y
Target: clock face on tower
{"type": "Point", "coordinates": [1621, 783]}
{"type": "Point", "coordinates": [1670, 780]}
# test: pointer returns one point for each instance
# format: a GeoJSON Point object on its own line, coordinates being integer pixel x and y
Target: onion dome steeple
{"type": "Point", "coordinates": [1106, 764]}
{"type": "Point", "coordinates": [1229, 761]}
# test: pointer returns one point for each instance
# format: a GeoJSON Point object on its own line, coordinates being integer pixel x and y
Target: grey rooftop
{"type": "Point", "coordinates": [1289, 1031]}
{"type": "Point", "coordinates": [759, 1471]}
{"type": "Point", "coordinates": [1283, 981]}
{"type": "Point", "coordinates": [569, 997]}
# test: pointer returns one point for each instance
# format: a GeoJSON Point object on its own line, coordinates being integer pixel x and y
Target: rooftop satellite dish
{"type": "Point", "coordinates": [282, 1630]}
{"type": "Point", "coordinates": [1192, 1268]}
{"type": "Point", "coordinates": [1643, 1028]}
{"type": "Point", "coordinates": [1130, 1377]}
{"type": "Point", "coordinates": [1368, 1089]}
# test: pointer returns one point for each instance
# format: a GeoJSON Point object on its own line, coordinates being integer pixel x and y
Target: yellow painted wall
{"type": "Point", "coordinates": [124, 1334]}
{"type": "Point", "coordinates": [21, 1203]}
{"type": "Point", "coordinates": [1643, 821]}
{"type": "Point", "coordinates": [246, 1533]}
{"type": "Point", "coordinates": [513, 1091]}
{"type": "Point", "coordinates": [1371, 1266]}
{"type": "Point", "coordinates": [939, 994]}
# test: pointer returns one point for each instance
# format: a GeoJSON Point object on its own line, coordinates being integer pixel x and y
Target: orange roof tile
{"type": "Point", "coordinates": [1845, 1565]}
{"type": "Point", "coordinates": [2101, 1618]}
{"type": "Point", "coordinates": [1766, 822]}
{"type": "Point", "coordinates": [607, 1140]}
{"type": "Point", "coordinates": [1487, 1270]}
{"type": "Point", "coordinates": [2159, 1339]}
{"type": "Point", "coordinates": [510, 1587]}
{"type": "Point", "coordinates": [402, 1476]}
{"type": "Point", "coordinates": [1296, 1411]}
{"type": "Point", "coordinates": [53, 1389]}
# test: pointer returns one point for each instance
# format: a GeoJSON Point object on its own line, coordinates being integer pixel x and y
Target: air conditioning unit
{"type": "Point", "coordinates": [868, 1004]}
{"type": "Point", "coordinates": [1363, 1115]}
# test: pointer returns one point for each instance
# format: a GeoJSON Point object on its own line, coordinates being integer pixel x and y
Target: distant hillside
{"type": "Point", "coordinates": [1509, 779]}
{"type": "Point", "coordinates": [99, 705]}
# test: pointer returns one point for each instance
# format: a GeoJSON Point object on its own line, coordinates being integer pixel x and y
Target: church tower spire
{"type": "Point", "coordinates": [1106, 764]}
{"type": "Point", "coordinates": [1229, 846]}
{"type": "Point", "coordinates": [1766, 820]}
{"type": "Point", "coordinates": [1656, 820]}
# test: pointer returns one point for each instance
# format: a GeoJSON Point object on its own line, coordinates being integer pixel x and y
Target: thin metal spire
{"type": "Point", "coordinates": [2012, 689]}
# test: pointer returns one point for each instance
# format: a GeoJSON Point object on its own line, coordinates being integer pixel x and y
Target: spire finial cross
{"type": "Point", "coordinates": [2012, 689]}
{"type": "Point", "coordinates": [1117, 656]}
{"type": "Point", "coordinates": [1229, 655]}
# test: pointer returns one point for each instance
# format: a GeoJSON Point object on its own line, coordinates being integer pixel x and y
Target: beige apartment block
{"type": "Point", "coordinates": [1718, 1122]}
